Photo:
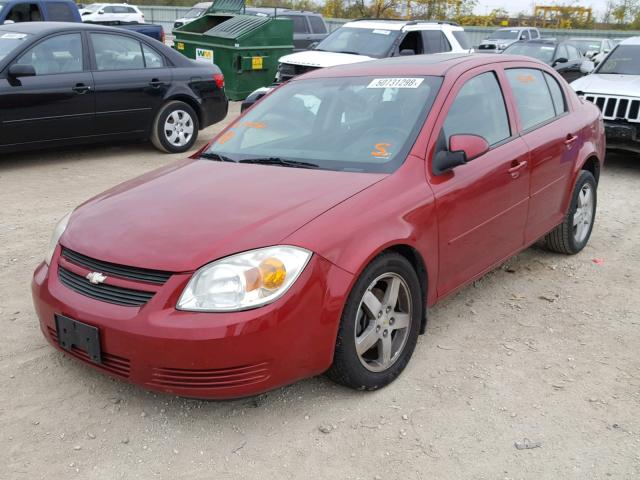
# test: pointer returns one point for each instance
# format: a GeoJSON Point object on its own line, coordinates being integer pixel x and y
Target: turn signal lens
{"type": "Point", "coordinates": [273, 273]}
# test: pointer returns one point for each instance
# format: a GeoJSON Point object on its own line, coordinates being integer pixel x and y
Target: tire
{"type": "Point", "coordinates": [175, 128]}
{"type": "Point", "coordinates": [573, 234]}
{"type": "Point", "coordinates": [368, 370]}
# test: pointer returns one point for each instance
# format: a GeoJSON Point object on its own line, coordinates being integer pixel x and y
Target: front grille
{"type": "Point", "coordinates": [158, 277]}
{"type": "Point", "coordinates": [214, 378]}
{"type": "Point", "coordinates": [616, 108]}
{"type": "Point", "coordinates": [288, 71]}
{"type": "Point", "coordinates": [114, 364]}
{"type": "Point", "coordinates": [107, 293]}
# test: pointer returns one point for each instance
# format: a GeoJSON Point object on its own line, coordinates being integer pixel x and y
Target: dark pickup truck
{"type": "Point", "coordinates": [16, 11]}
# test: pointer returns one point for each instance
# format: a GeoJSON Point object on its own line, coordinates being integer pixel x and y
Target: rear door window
{"type": "Point", "coordinates": [557, 96]}
{"type": "Point", "coordinates": [532, 95]}
{"type": "Point", "coordinates": [317, 25]}
{"type": "Point", "coordinates": [117, 52]}
{"type": "Point", "coordinates": [299, 23]}
{"type": "Point", "coordinates": [435, 42]}
{"type": "Point", "coordinates": [479, 109]}
{"type": "Point", "coordinates": [60, 12]}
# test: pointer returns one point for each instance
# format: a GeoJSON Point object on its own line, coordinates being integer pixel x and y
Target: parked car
{"type": "Point", "coordinates": [55, 91]}
{"type": "Point", "coordinates": [501, 38]}
{"type": "Point", "coordinates": [196, 12]}
{"type": "Point", "coordinates": [614, 87]}
{"type": "Point", "coordinates": [594, 49]}
{"type": "Point", "coordinates": [313, 233]}
{"type": "Point", "coordinates": [112, 12]}
{"type": "Point", "coordinates": [364, 40]}
{"type": "Point", "coordinates": [308, 27]}
{"type": "Point", "coordinates": [18, 11]}
{"type": "Point", "coordinates": [563, 56]}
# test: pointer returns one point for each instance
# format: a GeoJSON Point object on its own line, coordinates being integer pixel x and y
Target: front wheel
{"type": "Point", "coordinates": [572, 235]}
{"type": "Point", "coordinates": [175, 128]}
{"type": "Point", "coordinates": [380, 325]}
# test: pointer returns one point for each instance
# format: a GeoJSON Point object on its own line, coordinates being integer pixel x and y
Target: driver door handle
{"type": "Point", "coordinates": [570, 140]}
{"type": "Point", "coordinates": [514, 171]}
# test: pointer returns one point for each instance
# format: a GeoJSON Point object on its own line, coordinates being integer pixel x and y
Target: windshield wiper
{"type": "Point", "coordinates": [216, 156]}
{"type": "Point", "coordinates": [280, 161]}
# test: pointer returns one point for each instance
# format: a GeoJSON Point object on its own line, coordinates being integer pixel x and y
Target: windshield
{"type": "Point", "coordinates": [361, 124]}
{"type": "Point", "coordinates": [535, 50]}
{"type": "Point", "coordinates": [94, 7]}
{"type": "Point", "coordinates": [587, 45]}
{"type": "Point", "coordinates": [9, 41]}
{"type": "Point", "coordinates": [505, 34]}
{"type": "Point", "coordinates": [194, 13]}
{"type": "Point", "coordinates": [623, 60]}
{"type": "Point", "coordinates": [360, 41]}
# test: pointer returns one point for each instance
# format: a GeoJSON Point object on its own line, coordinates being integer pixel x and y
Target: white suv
{"type": "Point", "coordinates": [363, 40]}
{"type": "Point", "coordinates": [614, 86]}
{"type": "Point", "coordinates": [111, 12]}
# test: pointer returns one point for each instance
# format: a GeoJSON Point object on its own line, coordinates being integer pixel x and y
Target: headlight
{"type": "Point", "coordinates": [61, 226]}
{"type": "Point", "coordinates": [243, 281]}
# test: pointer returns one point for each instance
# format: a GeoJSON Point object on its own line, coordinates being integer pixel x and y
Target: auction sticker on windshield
{"type": "Point", "coordinates": [395, 83]}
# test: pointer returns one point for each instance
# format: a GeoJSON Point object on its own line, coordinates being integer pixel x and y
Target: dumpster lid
{"type": "Point", "coordinates": [237, 25]}
{"type": "Point", "coordinates": [226, 6]}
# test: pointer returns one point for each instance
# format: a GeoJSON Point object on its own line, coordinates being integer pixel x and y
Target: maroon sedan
{"type": "Point", "coordinates": [314, 232]}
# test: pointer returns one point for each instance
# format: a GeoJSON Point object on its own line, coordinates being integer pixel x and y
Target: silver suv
{"type": "Point", "coordinates": [503, 37]}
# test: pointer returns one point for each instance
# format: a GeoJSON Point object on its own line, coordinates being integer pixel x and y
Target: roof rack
{"type": "Point", "coordinates": [411, 21]}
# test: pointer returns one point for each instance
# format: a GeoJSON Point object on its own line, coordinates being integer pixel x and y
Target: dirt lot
{"type": "Point", "coordinates": [545, 348]}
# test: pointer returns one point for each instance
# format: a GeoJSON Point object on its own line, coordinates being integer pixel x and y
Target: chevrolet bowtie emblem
{"type": "Point", "coordinates": [96, 277]}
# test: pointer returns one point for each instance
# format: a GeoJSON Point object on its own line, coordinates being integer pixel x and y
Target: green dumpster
{"type": "Point", "coordinates": [245, 47]}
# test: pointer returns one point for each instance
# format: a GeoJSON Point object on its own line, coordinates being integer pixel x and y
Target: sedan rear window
{"type": "Point", "coordinates": [9, 41]}
{"type": "Point", "coordinates": [364, 124]}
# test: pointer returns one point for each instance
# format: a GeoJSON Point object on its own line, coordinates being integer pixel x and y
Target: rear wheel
{"type": "Point", "coordinates": [572, 235]}
{"type": "Point", "coordinates": [175, 128]}
{"type": "Point", "coordinates": [379, 326]}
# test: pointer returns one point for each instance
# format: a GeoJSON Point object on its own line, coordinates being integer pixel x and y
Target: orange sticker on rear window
{"type": "Point", "coordinates": [226, 137]}
{"type": "Point", "coordinates": [381, 150]}
{"type": "Point", "coordinates": [526, 78]}
{"type": "Point", "coordinates": [254, 125]}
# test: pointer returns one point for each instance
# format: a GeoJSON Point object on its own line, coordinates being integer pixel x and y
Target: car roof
{"type": "Point", "coordinates": [420, 65]}
{"type": "Point", "coordinates": [631, 41]}
{"type": "Point", "coordinates": [44, 28]}
{"type": "Point", "coordinates": [400, 24]}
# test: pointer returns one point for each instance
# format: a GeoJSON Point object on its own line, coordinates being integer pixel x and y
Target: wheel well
{"type": "Point", "coordinates": [415, 259]}
{"type": "Point", "coordinates": [189, 101]}
{"type": "Point", "coordinates": [592, 165]}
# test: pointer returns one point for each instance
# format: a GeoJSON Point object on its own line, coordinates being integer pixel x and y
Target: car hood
{"type": "Point", "coordinates": [606, 84]}
{"type": "Point", "coordinates": [315, 58]}
{"type": "Point", "coordinates": [183, 216]}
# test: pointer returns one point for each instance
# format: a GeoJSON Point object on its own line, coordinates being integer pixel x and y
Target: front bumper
{"type": "Point", "coordinates": [622, 135]}
{"type": "Point", "coordinates": [205, 355]}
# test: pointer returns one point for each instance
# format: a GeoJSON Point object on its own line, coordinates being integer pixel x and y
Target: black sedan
{"type": "Point", "coordinates": [64, 83]}
{"type": "Point", "coordinates": [564, 57]}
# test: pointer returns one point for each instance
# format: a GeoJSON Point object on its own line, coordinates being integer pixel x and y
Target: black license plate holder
{"type": "Point", "coordinates": [74, 333]}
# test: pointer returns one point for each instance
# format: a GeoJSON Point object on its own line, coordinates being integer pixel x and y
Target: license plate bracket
{"type": "Point", "coordinates": [74, 333]}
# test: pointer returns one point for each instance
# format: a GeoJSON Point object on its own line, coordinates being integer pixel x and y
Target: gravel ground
{"type": "Point", "coordinates": [544, 348]}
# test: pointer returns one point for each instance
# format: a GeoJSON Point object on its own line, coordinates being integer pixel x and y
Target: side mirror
{"type": "Point", "coordinates": [560, 60]}
{"type": "Point", "coordinates": [17, 70]}
{"type": "Point", "coordinates": [405, 52]}
{"type": "Point", "coordinates": [462, 149]}
{"type": "Point", "coordinates": [587, 67]}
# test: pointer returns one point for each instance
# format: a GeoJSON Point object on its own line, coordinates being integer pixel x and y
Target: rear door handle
{"type": "Point", "coordinates": [155, 83]}
{"type": "Point", "coordinates": [514, 171]}
{"type": "Point", "coordinates": [81, 88]}
{"type": "Point", "coordinates": [570, 140]}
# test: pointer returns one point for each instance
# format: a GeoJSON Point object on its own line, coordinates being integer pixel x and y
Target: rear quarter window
{"type": "Point", "coordinates": [532, 95]}
{"type": "Point", "coordinates": [462, 39]}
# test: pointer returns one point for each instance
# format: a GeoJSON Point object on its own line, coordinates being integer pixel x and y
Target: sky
{"type": "Point", "coordinates": [517, 6]}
